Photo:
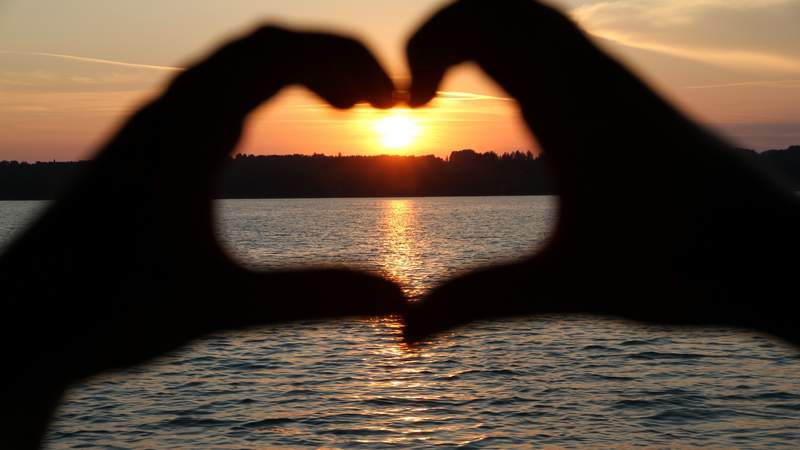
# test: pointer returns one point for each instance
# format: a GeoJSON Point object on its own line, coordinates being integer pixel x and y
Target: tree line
{"type": "Point", "coordinates": [464, 172]}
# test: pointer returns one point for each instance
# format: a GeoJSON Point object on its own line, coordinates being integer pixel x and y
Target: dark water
{"type": "Point", "coordinates": [544, 382]}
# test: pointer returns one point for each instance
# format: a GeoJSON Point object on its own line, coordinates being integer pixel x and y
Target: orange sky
{"type": "Point", "coordinates": [70, 72]}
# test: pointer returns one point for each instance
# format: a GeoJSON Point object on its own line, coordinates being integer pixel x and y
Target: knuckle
{"type": "Point", "coordinates": [267, 36]}
{"type": "Point", "coordinates": [343, 103]}
{"type": "Point", "coordinates": [267, 31]}
{"type": "Point", "coordinates": [353, 47]}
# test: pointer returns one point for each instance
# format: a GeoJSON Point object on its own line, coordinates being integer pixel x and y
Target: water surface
{"type": "Point", "coordinates": [549, 381]}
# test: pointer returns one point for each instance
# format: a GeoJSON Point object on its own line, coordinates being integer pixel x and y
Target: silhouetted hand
{"type": "Point", "coordinates": [126, 267]}
{"type": "Point", "coordinates": [659, 221]}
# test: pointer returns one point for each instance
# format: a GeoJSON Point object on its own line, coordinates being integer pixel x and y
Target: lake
{"type": "Point", "coordinates": [540, 382]}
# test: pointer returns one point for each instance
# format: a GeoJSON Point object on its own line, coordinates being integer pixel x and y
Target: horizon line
{"type": "Point", "coordinates": [341, 155]}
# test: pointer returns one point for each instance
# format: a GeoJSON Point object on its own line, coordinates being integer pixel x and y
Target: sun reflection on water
{"type": "Point", "coordinates": [404, 364]}
{"type": "Point", "coordinates": [397, 371]}
{"type": "Point", "coordinates": [507, 384]}
{"type": "Point", "coordinates": [399, 249]}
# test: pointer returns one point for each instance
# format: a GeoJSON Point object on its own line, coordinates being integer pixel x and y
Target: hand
{"type": "Point", "coordinates": [659, 221]}
{"type": "Point", "coordinates": [126, 267]}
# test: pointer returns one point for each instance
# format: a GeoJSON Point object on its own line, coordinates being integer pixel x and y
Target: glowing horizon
{"type": "Point", "coordinates": [397, 130]}
{"type": "Point", "coordinates": [66, 84]}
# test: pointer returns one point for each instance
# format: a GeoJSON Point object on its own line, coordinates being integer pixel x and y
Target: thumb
{"type": "Point", "coordinates": [519, 289]}
{"type": "Point", "coordinates": [283, 296]}
{"type": "Point", "coordinates": [221, 300]}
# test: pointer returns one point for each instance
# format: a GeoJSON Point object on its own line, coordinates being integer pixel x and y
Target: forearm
{"type": "Point", "coordinates": [51, 287]}
{"type": "Point", "coordinates": [72, 272]}
{"type": "Point", "coordinates": [64, 268]}
{"type": "Point", "coordinates": [135, 217]}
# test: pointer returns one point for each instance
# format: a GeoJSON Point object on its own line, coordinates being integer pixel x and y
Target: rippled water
{"type": "Point", "coordinates": [558, 382]}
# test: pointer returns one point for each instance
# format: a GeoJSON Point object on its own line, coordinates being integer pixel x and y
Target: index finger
{"type": "Point", "coordinates": [496, 36]}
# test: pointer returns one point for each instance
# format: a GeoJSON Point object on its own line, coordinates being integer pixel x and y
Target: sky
{"type": "Point", "coordinates": [72, 72]}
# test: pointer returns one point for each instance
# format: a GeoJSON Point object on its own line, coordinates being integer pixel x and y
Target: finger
{"type": "Point", "coordinates": [217, 94]}
{"type": "Point", "coordinates": [221, 298]}
{"type": "Point", "coordinates": [238, 77]}
{"type": "Point", "coordinates": [520, 289]}
{"type": "Point", "coordinates": [528, 48]}
{"type": "Point", "coordinates": [431, 52]}
{"type": "Point", "coordinates": [377, 87]}
{"type": "Point", "coordinates": [573, 96]}
{"type": "Point", "coordinates": [589, 114]}
{"type": "Point", "coordinates": [344, 72]}
{"type": "Point", "coordinates": [254, 299]}
{"type": "Point", "coordinates": [480, 31]}
{"type": "Point", "coordinates": [246, 72]}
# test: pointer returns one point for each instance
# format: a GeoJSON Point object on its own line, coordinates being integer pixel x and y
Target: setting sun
{"type": "Point", "coordinates": [397, 130]}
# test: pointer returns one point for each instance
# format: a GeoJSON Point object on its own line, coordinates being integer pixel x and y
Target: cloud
{"type": "Point", "coordinates": [749, 35]}
{"type": "Point", "coordinates": [775, 83]}
{"type": "Point", "coordinates": [664, 13]}
{"type": "Point", "coordinates": [95, 60]}
{"type": "Point", "coordinates": [455, 96]}
{"type": "Point", "coordinates": [470, 96]}
{"type": "Point", "coordinates": [735, 59]}
{"type": "Point", "coordinates": [761, 136]}
{"type": "Point", "coordinates": [55, 72]}
{"type": "Point", "coordinates": [72, 103]}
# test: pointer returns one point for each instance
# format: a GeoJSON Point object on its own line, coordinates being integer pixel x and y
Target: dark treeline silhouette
{"type": "Point", "coordinates": [36, 181]}
{"type": "Point", "coordinates": [465, 172]}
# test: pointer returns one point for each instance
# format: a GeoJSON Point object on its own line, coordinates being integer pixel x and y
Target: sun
{"type": "Point", "coordinates": [397, 130]}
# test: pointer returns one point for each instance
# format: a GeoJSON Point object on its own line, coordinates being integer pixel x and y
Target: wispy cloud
{"type": "Point", "coordinates": [664, 13]}
{"type": "Point", "coordinates": [75, 104]}
{"type": "Point", "coordinates": [447, 95]}
{"type": "Point", "coordinates": [450, 96]}
{"type": "Point", "coordinates": [470, 96]}
{"type": "Point", "coordinates": [740, 59]}
{"type": "Point", "coordinates": [670, 27]}
{"type": "Point", "coordinates": [96, 60]}
{"type": "Point", "coordinates": [13, 82]}
{"type": "Point", "coordinates": [777, 83]}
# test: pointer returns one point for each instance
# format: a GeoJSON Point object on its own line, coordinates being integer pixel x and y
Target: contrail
{"type": "Point", "coordinates": [446, 95]}
{"type": "Point", "coordinates": [786, 83]}
{"type": "Point", "coordinates": [470, 96]}
{"type": "Point", "coordinates": [720, 57]}
{"type": "Point", "coordinates": [96, 60]}
{"type": "Point", "coordinates": [449, 95]}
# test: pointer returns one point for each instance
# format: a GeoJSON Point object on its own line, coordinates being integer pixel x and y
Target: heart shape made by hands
{"type": "Point", "coordinates": [132, 245]}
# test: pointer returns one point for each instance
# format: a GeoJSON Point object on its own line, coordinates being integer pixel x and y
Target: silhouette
{"type": "Point", "coordinates": [694, 235]}
{"type": "Point", "coordinates": [125, 266]}
{"type": "Point", "coordinates": [245, 176]}
{"type": "Point", "coordinates": [465, 172]}
{"type": "Point", "coordinates": [37, 181]}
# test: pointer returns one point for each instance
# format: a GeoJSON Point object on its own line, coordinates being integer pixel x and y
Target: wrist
{"type": "Point", "coordinates": [230, 83]}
